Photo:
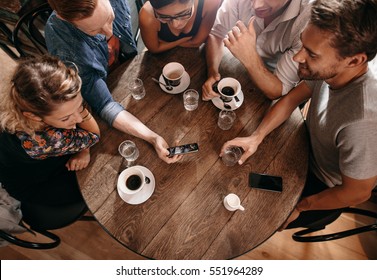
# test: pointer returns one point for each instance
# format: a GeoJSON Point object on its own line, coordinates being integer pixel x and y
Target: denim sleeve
{"type": "Point", "coordinates": [122, 26]}
{"type": "Point", "coordinates": [97, 95]}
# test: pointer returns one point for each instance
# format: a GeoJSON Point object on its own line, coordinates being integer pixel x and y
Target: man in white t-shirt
{"type": "Point", "coordinates": [338, 43]}
{"type": "Point", "coordinates": [267, 37]}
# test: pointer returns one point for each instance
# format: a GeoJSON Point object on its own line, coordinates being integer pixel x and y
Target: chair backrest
{"type": "Point", "coordinates": [11, 224]}
{"type": "Point", "coordinates": [300, 236]}
{"type": "Point", "coordinates": [28, 33]}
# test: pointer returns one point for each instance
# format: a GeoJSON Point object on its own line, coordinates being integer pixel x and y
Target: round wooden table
{"type": "Point", "coordinates": [185, 217]}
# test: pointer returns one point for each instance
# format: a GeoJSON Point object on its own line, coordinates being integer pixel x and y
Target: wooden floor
{"type": "Point", "coordinates": [87, 240]}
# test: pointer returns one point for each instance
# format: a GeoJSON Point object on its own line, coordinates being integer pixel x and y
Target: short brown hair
{"type": "Point", "coordinates": [351, 23]}
{"type": "Point", "coordinates": [72, 10]}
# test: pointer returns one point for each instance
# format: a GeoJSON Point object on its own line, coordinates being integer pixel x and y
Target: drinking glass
{"type": "Point", "coordinates": [231, 155]}
{"type": "Point", "coordinates": [226, 119]}
{"type": "Point", "coordinates": [137, 88]}
{"type": "Point", "coordinates": [129, 151]}
{"type": "Point", "coordinates": [190, 99]}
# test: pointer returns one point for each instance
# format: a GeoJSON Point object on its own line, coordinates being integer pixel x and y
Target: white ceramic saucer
{"type": "Point", "coordinates": [185, 82]}
{"type": "Point", "coordinates": [234, 104]}
{"type": "Point", "coordinates": [142, 195]}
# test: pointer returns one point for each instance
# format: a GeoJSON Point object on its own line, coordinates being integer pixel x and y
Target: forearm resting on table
{"type": "Point", "coordinates": [162, 46]}
{"type": "Point", "coordinates": [352, 192]}
{"type": "Point", "coordinates": [191, 44]}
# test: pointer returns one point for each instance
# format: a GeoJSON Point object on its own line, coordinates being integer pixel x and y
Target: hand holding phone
{"type": "Point", "coordinates": [183, 149]}
{"type": "Point", "coordinates": [266, 182]}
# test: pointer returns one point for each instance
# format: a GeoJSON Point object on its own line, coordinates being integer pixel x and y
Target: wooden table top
{"type": "Point", "coordinates": [185, 217]}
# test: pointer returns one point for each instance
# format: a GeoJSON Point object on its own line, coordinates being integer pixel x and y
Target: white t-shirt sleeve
{"type": "Point", "coordinates": [286, 68]}
{"type": "Point", "coordinates": [227, 16]}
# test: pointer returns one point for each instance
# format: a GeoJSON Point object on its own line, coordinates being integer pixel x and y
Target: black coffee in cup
{"type": "Point", "coordinates": [133, 182]}
{"type": "Point", "coordinates": [228, 91]}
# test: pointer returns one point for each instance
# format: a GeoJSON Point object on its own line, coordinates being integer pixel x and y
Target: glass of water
{"type": "Point", "coordinates": [129, 151]}
{"type": "Point", "coordinates": [226, 119]}
{"type": "Point", "coordinates": [190, 99]}
{"type": "Point", "coordinates": [137, 89]}
{"type": "Point", "coordinates": [231, 155]}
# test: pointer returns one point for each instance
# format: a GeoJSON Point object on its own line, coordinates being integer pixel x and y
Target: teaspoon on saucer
{"type": "Point", "coordinates": [165, 85]}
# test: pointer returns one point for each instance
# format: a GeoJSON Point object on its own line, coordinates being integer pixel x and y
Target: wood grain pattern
{"type": "Point", "coordinates": [185, 217]}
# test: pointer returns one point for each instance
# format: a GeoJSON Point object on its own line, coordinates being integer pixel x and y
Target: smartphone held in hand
{"type": "Point", "coordinates": [183, 149]}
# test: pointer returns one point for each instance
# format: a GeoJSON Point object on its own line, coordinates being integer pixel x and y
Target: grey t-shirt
{"type": "Point", "coordinates": [343, 130]}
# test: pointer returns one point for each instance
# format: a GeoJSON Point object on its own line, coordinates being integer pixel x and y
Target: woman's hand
{"type": "Point", "coordinates": [79, 161]}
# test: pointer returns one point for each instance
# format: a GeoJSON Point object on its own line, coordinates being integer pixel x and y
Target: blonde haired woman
{"type": "Point", "coordinates": [45, 134]}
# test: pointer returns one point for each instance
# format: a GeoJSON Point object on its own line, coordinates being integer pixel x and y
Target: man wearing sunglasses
{"type": "Point", "coordinates": [264, 36]}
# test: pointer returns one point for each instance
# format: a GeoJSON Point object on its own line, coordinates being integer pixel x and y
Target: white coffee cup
{"type": "Point", "coordinates": [228, 88]}
{"type": "Point", "coordinates": [232, 202]}
{"type": "Point", "coordinates": [132, 180]}
{"type": "Point", "coordinates": [172, 73]}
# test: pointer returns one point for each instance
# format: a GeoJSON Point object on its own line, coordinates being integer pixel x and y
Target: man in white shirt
{"type": "Point", "coordinates": [264, 35]}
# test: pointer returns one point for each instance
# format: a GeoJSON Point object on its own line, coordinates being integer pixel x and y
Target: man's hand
{"type": "Point", "coordinates": [241, 42]}
{"type": "Point", "coordinates": [248, 144]}
{"type": "Point", "coordinates": [161, 148]}
{"type": "Point", "coordinates": [207, 91]}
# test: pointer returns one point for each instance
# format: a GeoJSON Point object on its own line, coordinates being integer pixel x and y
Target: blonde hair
{"type": "Point", "coordinates": [38, 86]}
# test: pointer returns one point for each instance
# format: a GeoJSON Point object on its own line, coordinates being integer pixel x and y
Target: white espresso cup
{"type": "Point", "coordinates": [228, 88]}
{"type": "Point", "coordinates": [132, 180]}
{"type": "Point", "coordinates": [172, 73]}
{"type": "Point", "coordinates": [232, 202]}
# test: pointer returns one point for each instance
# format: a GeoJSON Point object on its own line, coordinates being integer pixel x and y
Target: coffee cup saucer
{"type": "Point", "coordinates": [141, 196]}
{"type": "Point", "coordinates": [233, 105]}
{"type": "Point", "coordinates": [185, 82]}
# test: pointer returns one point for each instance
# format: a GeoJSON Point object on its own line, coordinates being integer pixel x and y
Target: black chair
{"type": "Point", "coordinates": [39, 218]}
{"type": "Point", "coordinates": [301, 236]}
{"type": "Point", "coordinates": [28, 34]}
{"type": "Point", "coordinates": [59, 217]}
{"type": "Point", "coordinates": [55, 240]}
{"type": "Point", "coordinates": [6, 41]}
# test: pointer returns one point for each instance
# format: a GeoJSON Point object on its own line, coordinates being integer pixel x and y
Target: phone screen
{"type": "Point", "coordinates": [266, 182]}
{"type": "Point", "coordinates": [183, 149]}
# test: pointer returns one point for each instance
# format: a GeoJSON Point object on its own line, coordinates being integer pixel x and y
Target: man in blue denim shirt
{"type": "Point", "coordinates": [78, 31]}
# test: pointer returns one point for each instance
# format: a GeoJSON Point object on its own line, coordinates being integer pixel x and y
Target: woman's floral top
{"type": "Point", "coordinates": [54, 142]}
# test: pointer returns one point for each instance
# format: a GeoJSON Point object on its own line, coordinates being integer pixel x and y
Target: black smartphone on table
{"type": "Point", "coordinates": [266, 182]}
{"type": "Point", "coordinates": [183, 149]}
